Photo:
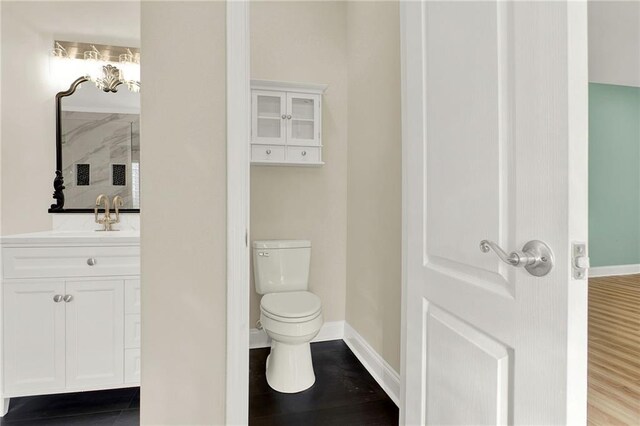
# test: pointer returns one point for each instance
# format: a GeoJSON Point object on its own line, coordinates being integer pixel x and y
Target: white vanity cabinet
{"type": "Point", "coordinates": [70, 314]}
{"type": "Point", "coordinates": [34, 337]}
{"type": "Point", "coordinates": [286, 123]}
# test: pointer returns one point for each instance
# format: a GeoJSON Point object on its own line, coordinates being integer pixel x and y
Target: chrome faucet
{"type": "Point", "coordinates": [106, 221]}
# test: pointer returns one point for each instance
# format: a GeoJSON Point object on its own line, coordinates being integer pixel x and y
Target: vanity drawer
{"type": "Point", "coordinates": [51, 262]}
{"type": "Point", "coordinates": [132, 366]}
{"type": "Point", "coordinates": [267, 153]}
{"type": "Point", "coordinates": [132, 296]}
{"type": "Point", "coordinates": [132, 331]}
{"type": "Point", "coordinates": [303, 154]}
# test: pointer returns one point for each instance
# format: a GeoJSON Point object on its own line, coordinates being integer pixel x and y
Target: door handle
{"type": "Point", "coordinates": [536, 256]}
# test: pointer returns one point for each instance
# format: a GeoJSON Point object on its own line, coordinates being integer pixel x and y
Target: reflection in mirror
{"type": "Point", "coordinates": [100, 146]}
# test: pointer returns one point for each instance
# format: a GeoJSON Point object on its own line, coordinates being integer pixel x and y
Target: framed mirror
{"type": "Point", "coordinates": [97, 146]}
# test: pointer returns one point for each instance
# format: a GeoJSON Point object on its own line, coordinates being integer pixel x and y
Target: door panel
{"type": "Point", "coordinates": [468, 133]}
{"type": "Point", "coordinates": [268, 117]}
{"type": "Point", "coordinates": [303, 118]}
{"type": "Point", "coordinates": [490, 117]}
{"type": "Point", "coordinates": [467, 362]}
{"type": "Point", "coordinates": [132, 366]}
{"type": "Point", "coordinates": [132, 296]}
{"type": "Point", "coordinates": [95, 333]}
{"type": "Point", "coordinates": [34, 330]}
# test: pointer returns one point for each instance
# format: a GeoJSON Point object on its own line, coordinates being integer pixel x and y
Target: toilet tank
{"type": "Point", "coordinates": [281, 265]}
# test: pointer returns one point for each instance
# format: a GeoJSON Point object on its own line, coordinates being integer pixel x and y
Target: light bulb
{"type": "Point", "coordinates": [130, 70]}
{"type": "Point", "coordinates": [65, 71]}
{"type": "Point", "coordinates": [93, 65]}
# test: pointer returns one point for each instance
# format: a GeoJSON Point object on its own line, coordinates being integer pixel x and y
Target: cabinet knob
{"type": "Point", "coordinates": [68, 298]}
{"type": "Point", "coordinates": [284, 116]}
{"type": "Point", "coordinates": [57, 298]}
{"type": "Point", "coordinates": [288, 117]}
{"type": "Point", "coordinates": [304, 153]}
{"type": "Point", "coordinates": [268, 152]}
{"type": "Point", "coordinates": [92, 261]}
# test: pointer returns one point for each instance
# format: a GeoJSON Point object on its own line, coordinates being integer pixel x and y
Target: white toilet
{"type": "Point", "coordinates": [290, 314]}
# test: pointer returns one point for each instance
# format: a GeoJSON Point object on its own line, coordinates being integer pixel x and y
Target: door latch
{"type": "Point", "coordinates": [580, 261]}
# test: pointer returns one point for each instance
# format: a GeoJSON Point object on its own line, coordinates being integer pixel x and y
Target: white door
{"type": "Point", "coordinates": [34, 328]}
{"type": "Point", "coordinates": [269, 117]}
{"type": "Point", "coordinates": [495, 148]}
{"type": "Point", "coordinates": [95, 333]}
{"type": "Point", "coordinates": [303, 119]}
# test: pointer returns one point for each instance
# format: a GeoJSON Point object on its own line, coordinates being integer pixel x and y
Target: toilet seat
{"type": "Point", "coordinates": [291, 306]}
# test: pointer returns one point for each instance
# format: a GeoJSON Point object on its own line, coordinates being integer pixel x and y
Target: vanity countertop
{"type": "Point", "coordinates": [73, 238]}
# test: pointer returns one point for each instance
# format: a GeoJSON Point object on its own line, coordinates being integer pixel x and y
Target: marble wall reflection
{"type": "Point", "coordinates": [100, 140]}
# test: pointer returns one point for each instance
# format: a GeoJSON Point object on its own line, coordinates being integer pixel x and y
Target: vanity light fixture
{"type": "Point", "coordinates": [107, 66]}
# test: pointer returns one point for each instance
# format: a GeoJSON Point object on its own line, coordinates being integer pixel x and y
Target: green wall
{"type": "Point", "coordinates": [614, 175]}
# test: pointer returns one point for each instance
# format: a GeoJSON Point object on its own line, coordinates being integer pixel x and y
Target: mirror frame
{"type": "Point", "coordinates": [58, 181]}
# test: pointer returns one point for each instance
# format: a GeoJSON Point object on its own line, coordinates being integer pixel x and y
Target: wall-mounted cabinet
{"type": "Point", "coordinates": [286, 123]}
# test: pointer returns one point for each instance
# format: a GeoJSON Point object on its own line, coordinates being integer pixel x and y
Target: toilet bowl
{"type": "Point", "coordinates": [289, 313]}
{"type": "Point", "coordinates": [291, 320]}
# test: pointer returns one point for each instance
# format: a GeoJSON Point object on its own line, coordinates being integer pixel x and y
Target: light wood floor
{"type": "Point", "coordinates": [614, 350]}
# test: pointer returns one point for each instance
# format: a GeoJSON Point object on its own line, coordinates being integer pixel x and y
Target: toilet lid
{"type": "Point", "coordinates": [291, 304]}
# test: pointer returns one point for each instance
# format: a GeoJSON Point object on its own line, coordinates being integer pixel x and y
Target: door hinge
{"type": "Point", "coordinates": [246, 238]}
{"type": "Point", "coordinates": [579, 261]}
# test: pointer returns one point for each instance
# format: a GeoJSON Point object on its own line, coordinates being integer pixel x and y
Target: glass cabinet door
{"type": "Point", "coordinates": [268, 117]}
{"type": "Point", "coordinates": [303, 113]}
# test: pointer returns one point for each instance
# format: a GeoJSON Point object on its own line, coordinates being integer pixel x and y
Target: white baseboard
{"type": "Point", "coordinates": [333, 330]}
{"type": "Point", "coordinates": [608, 271]}
{"type": "Point", "coordinates": [382, 372]}
{"type": "Point", "coordinates": [258, 339]}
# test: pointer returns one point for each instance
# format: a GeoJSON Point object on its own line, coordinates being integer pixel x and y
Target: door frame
{"type": "Point", "coordinates": [238, 199]}
{"type": "Point", "coordinates": [238, 196]}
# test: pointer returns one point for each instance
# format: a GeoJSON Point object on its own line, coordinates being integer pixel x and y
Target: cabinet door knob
{"type": "Point", "coordinates": [92, 261]}
{"type": "Point", "coordinates": [57, 298]}
{"type": "Point", "coordinates": [284, 116]}
{"type": "Point", "coordinates": [289, 117]}
{"type": "Point", "coordinates": [304, 153]}
{"type": "Point", "coordinates": [68, 298]}
{"type": "Point", "coordinates": [268, 152]}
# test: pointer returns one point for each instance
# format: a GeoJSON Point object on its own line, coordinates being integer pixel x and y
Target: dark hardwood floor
{"type": "Point", "coordinates": [110, 407]}
{"type": "Point", "coordinates": [344, 394]}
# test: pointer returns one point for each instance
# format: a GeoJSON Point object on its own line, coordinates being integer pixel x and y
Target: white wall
{"type": "Point", "coordinates": [183, 213]}
{"type": "Point", "coordinates": [614, 42]}
{"type": "Point", "coordinates": [374, 177]}
{"type": "Point", "coordinates": [308, 44]}
{"type": "Point", "coordinates": [351, 207]}
{"type": "Point", "coordinates": [28, 90]}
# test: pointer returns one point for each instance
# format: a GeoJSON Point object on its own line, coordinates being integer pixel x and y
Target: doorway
{"type": "Point", "coordinates": [614, 213]}
{"type": "Point", "coordinates": [497, 278]}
